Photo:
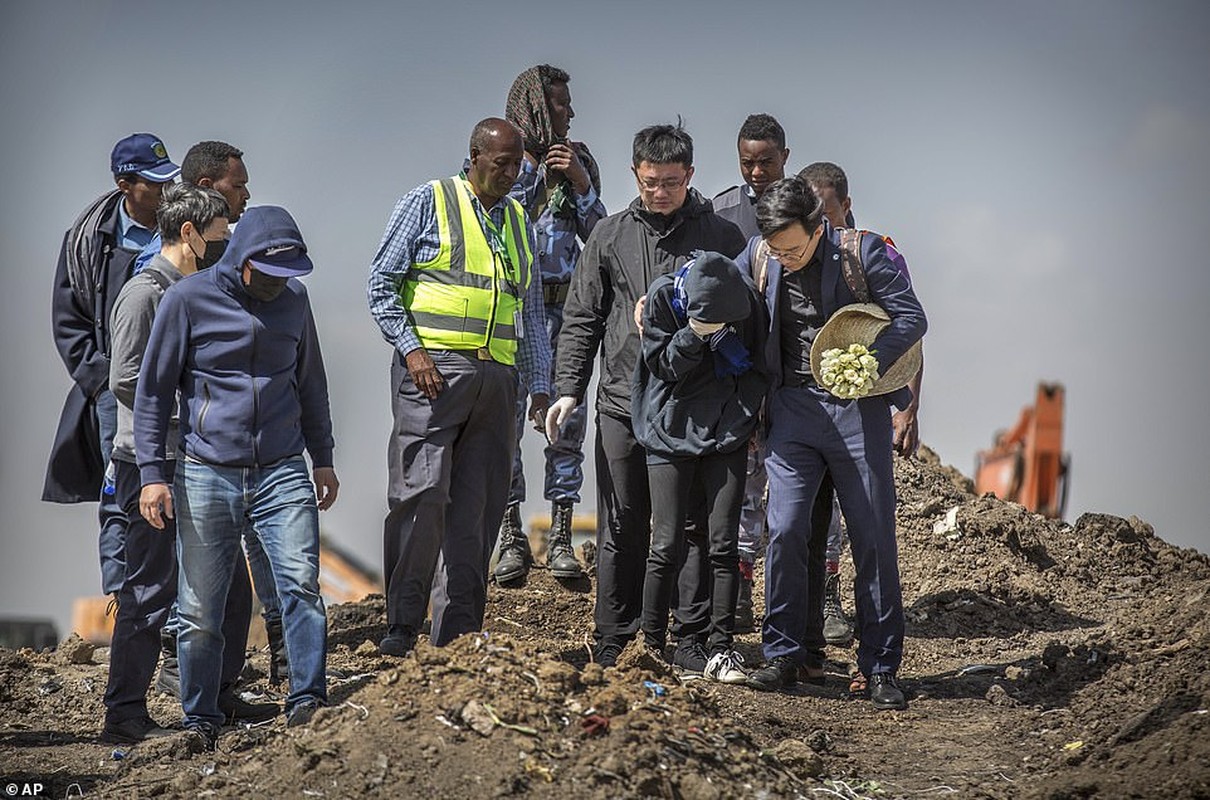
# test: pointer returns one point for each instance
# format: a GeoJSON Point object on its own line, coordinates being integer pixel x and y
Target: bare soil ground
{"type": "Point", "coordinates": [1044, 660]}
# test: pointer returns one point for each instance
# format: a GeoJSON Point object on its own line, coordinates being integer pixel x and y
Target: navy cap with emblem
{"type": "Point", "coordinates": [268, 237]}
{"type": "Point", "coordinates": [144, 155]}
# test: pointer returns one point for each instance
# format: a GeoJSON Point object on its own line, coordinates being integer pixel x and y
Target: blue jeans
{"type": "Point", "coordinates": [216, 507]}
{"type": "Point", "coordinates": [112, 540]}
{"type": "Point", "coordinates": [262, 578]}
{"type": "Point", "coordinates": [564, 458]}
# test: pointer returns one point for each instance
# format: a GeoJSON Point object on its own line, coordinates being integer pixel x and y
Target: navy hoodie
{"type": "Point", "coordinates": [250, 374]}
{"type": "Point", "coordinates": [680, 407]}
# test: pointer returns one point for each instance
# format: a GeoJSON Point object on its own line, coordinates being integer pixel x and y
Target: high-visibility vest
{"type": "Point", "coordinates": [469, 297]}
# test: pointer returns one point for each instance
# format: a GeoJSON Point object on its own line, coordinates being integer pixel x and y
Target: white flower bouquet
{"type": "Point", "coordinates": [849, 373]}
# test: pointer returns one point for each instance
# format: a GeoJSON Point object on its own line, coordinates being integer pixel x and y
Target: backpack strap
{"type": "Point", "coordinates": [760, 265]}
{"type": "Point", "coordinates": [851, 266]}
{"type": "Point", "coordinates": [160, 278]}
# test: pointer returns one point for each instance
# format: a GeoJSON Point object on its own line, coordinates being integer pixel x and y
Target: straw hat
{"type": "Point", "coordinates": [861, 323]}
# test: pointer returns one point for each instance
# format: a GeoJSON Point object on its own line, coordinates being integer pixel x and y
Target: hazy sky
{"type": "Point", "coordinates": [1043, 165]}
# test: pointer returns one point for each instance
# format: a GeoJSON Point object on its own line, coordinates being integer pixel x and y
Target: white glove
{"type": "Point", "coordinates": [557, 414]}
{"type": "Point", "coordinates": [704, 329]}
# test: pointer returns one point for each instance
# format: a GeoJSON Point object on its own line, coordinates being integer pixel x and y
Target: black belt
{"type": "Point", "coordinates": [555, 294]}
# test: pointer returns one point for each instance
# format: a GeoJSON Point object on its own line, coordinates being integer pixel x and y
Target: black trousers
{"type": "Point", "coordinates": [624, 537]}
{"type": "Point", "coordinates": [147, 592]}
{"type": "Point", "coordinates": [713, 486]}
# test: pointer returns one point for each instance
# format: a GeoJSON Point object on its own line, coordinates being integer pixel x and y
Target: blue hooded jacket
{"type": "Point", "coordinates": [250, 374]}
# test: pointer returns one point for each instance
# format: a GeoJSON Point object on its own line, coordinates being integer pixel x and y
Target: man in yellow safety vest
{"type": "Point", "coordinates": [455, 291]}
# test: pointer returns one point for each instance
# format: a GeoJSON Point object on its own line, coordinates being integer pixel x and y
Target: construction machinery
{"type": "Point", "coordinates": [1026, 464]}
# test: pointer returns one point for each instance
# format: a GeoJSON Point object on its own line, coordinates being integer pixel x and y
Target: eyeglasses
{"type": "Point", "coordinates": [797, 254]}
{"type": "Point", "coordinates": [667, 184]}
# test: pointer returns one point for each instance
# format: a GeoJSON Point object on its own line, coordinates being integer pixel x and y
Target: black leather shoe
{"type": "Point", "coordinates": [237, 709]}
{"type": "Point", "coordinates": [779, 673]}
{"type": "Point", "coordinates": [201, 738]}
{"type": "Point", "coordinates": [129, 731]}
{"type": "Point", "coordinates": [606, 652]}
{"type": "Point", "coordinates": [302, 713]}
{"type": "Point", "coordinates": [885, 693]}
{"type": "Point", "coordinates": [690, 656]}
{"type": "Point", "coordinates": [399, 641]}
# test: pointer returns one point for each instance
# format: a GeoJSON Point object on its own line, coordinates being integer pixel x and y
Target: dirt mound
{"type": "Point", "coordinates": [1043, 660]}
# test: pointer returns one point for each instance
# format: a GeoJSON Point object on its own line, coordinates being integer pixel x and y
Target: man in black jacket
{"type": "Point", "coordinates": [656, 234]}
{"type": "Point", "coordinates": [94, 262]}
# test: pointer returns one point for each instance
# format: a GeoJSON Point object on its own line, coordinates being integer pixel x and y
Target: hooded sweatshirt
{"type": "Point", "coordinates": [623, 255]}
{"type": "Point", "coordinates": [682, 407]}
{"type": "Point", "coordinates": [250, 373]}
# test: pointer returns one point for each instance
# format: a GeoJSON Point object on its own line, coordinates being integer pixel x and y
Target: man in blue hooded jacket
{"type": "Point", "coordinates": [239, 343]}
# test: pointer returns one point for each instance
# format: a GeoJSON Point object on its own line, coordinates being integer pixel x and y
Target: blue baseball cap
{"type": "Point", "coordinates": [144, 155]}
{"type": "Point", "coordinates": [268, 237]}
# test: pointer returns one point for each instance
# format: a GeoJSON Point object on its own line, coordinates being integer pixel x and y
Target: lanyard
{"type": "Point", "coordinates": [491, 231]}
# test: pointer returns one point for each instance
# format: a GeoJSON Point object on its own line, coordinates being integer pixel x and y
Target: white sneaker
{"type": "Point", "coordinates": [726, 667]}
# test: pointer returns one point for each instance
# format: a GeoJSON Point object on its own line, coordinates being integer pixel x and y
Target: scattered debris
{"type": "Point", "coordinates": [1015, 604]}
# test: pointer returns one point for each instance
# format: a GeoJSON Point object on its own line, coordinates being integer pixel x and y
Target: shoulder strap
{"type": "Point", "coordinates": [160, 278]}
{"type": "Point", "coordinates": [760, 265]}
{"type": "Point", "coordinates": [851, 266]}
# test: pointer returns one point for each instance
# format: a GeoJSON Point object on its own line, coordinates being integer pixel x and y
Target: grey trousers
{"type": "Point", "coordinates": [449, 463]}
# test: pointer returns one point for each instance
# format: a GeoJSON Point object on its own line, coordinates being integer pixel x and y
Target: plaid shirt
{"type": "Point", "coordinates": [557, 249]}
{"type": "Point", "coordinates": [412, 236]}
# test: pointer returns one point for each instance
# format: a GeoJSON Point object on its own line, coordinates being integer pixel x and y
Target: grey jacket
{"type": "Point", "coordinates": [129, 330]}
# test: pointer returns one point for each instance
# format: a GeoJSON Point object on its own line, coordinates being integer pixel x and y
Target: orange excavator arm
{"type": "Point", "coordinates": [1026, 464]}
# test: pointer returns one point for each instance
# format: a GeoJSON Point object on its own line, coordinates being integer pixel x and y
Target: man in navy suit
{"type": "Point", "coordinates": [811, 431]}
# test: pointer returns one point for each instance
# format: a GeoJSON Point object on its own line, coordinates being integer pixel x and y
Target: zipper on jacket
{"type": "Point", "coordinates": [201, 417]}
{"type": "Point", "coordinates": [255, 395]}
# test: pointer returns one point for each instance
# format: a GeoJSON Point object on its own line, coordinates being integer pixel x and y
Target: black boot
{"type": "Point", "coordinates": [836, 627]}
{"type": "Point", "coordinates": [515, 556]}
{"type": "Point", "coordinates": [560, 557]}
{"type": "Point", "coordinates": [279, 665]}
{"type": "Point", "coordinates": [169, 680]}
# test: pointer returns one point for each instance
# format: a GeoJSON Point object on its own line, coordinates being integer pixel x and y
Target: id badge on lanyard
{"type": "Point", "coordinates": [495, 240]}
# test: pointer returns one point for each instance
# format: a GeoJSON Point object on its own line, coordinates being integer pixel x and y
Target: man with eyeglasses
{"type": "Point", "coordinates": [831, 186]}
{"type": "Point", "coordinates": [811, 431]}
{"type": "Point", "coordinates": [655, 235]}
